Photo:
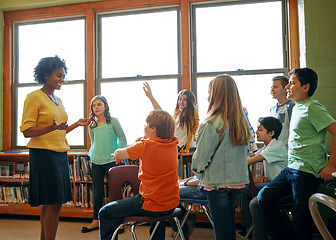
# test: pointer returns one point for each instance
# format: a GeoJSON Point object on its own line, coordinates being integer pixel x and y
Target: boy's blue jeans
{"type": "Point", "coordinates": [223, 203]}
{"type": "Point", "coordinates": [302, 185]}
{"type": "Point", "coordinates": [113, 214]}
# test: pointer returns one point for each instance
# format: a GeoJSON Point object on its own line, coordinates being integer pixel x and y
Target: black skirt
{"type": "Point", "coordinates": [49, 179]}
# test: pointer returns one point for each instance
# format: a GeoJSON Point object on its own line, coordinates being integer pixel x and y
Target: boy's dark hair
{"type": "Point", "coordinates": [271, 124]}
{"type": "Point", "coordinates": [163, 122]}
{"type": "Point", "coordinates": [282, 79]}
{"type": "Point", "coordinates": [306, 76]}
{"type": "Point", "coordinates": [46, 66]}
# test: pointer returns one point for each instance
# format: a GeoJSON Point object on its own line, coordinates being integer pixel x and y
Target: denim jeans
{"type": "Point", "coordinates": [191, 192]}
{"type": "Point", "coordinates": [223, 203]}
{"type": "Point", "coordinates": [302, 185]}
{"type": "Point", "coordinates": [246, 220]}
{"type": "Point", "coordinates": [113, 214]}
{"type": "Point", "coordinates": [258, 222]}
{"type": "Point", "coordinates": [98, 173]}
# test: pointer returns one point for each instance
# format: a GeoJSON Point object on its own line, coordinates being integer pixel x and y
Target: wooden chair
{"type": "Point", "coordinates": [253, 191]}
{"type": "Point", "coordinates": [128, 174]}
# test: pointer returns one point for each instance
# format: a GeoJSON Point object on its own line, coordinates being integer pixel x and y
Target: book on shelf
{"type": "Point", "coordinates": [84, 196]}
{"type": "Point", "coordinates": [14, 170]}
{"type": "Point", "coordinates": [80, 169]}
{"type": "Point", "coordinates": [258, 172]}
{"type": "Point", "coordinates": [14, 194]}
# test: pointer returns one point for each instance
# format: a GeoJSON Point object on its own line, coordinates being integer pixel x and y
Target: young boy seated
{"type": "Point", "coordinates": [307, 158]}
{"type": "Point", "coordinates": [274, 156]}
{"type": "Point", "coordinates": [159, 191]}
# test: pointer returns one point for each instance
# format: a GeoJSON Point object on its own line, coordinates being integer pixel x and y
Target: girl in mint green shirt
{"type": "Point", "coordinates": [106, 136]}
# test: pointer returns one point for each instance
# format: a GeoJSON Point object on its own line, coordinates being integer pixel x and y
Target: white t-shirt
{"type": "Point", "coordinates": [276, 158]}
{"type": "Point", "coordinates": [181, 134]}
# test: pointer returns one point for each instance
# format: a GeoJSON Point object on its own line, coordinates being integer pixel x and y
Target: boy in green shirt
{"type": "Point", "coordinates": [307, 158]}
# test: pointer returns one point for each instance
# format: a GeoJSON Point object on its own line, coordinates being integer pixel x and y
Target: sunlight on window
{"type": "Point", "coordinates": [254, 91]}
{"type": "Point", "coordinates": [244, 36]}
{"type": "Point", "coordinates": [140, 44]}
{"type": "Point", "coordinates": [63, 38]}
{"type": "Point", "coordinates": [130, 105]}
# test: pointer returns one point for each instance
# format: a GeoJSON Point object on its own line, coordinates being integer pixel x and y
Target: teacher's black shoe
{"type": "Point", "coordinates": [86, 230]}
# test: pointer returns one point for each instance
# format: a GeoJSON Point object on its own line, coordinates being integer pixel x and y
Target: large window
{"type": "Point", "coordinates": [245, 40]}
{"type": "Point", "coordinates": [35, 40]}
{"type": "Point", "coordinates": [112, 47]}
{"type": "Point", "coordinates": [134, 48]}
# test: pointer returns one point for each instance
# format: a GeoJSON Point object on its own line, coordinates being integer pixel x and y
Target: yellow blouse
{"type": "Point", "coordinates": [40, 111]}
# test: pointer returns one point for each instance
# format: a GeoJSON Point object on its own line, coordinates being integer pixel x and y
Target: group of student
{"type": "Point", "coordinates": [220, 162]}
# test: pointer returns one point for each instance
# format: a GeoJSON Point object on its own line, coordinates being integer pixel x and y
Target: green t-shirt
{"type": "Point", "coordinates": [307, 132]}
{"type": "Point", "coordinates": [105, 139]}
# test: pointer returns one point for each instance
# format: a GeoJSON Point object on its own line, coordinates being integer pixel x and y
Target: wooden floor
{"type": "Point", "coordinates": [28, 228]}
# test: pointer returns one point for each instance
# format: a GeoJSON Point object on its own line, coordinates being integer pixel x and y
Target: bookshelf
{"type": "Point", "coordinates": [14, 172]}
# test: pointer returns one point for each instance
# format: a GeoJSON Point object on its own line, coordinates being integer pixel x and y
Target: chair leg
{"type": "Point", "coordinates": [116, 232]}
{"type": "Point", "coordinates": [179, 228]}
{"type": "Point", "coordinates": [248, 233]}
{"type": "Point", "coordinates": [133, 232]}
{"type": "Point", "coordinates": [207, 212]}
{"type": "Point", "coordinates": [183, 220]}
{"type": "Point", "coordinates": [154, 230]}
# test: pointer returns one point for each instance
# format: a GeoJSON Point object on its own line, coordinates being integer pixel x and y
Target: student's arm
{"type": "Point", "coordinates": [120, 133]}
{"type": "Point", "coordinates": [149, 94]}
{"type": "Point", "coordinates": [188, 182]}
{"type": "Point", "coordinates": [120, 154]}
{"type": "Point", "coordinates": [80, 122]}
{"type": "Point", "coordinates": [331, 166]}
{"type": "Point", "coordinates": [256, 158]}
{"type": "Point", "coordinates": [206, 145]}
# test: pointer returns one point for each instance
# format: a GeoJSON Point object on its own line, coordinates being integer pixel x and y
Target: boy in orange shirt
{"type": "Point", "coordinates": [159, 190]}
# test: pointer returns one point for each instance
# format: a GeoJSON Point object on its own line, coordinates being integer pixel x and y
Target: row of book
{"type": "Point", "coordinates": [80, 169]}
{"type": "Point", "coordinates": [258, 172]}
{"type": "Point", "coordinates": [14, 194]}
{"type": "Point", "coordinates": [186, 169]}
{"type": "Point", "coordinates": [84, 196]}
{"type": "Point", "coordinates": [14, 170]}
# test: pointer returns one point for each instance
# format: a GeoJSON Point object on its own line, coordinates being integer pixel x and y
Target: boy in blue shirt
{"type": "Point", "coordinates": [307, 158]}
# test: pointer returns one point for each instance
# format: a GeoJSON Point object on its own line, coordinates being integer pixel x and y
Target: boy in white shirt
{"type": "Point", "coordinates": [274, 156]}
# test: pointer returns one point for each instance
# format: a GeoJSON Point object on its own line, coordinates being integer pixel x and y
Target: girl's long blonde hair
{"type": "Point", "coordinates": [224, 100]}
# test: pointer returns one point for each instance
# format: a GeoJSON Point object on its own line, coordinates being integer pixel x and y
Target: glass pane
{"type": "Point", "coordinates": [72, 98]}
{"type": "Point", "coordinates": [140, 44]}
{"type": "Point", "coordinates": [254, 91]}
{"type": "Point", "coordinates": [64, 38]}
{"type": "Point", "coordinates": [244, 36]}
{"type": "Point", "coordinates": [129, 104]}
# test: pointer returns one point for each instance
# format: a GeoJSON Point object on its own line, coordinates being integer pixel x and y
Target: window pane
{"type": "Point", "coordinates": [129, 104]}
{"type": "Point", "coordinates": [72, 98]}
{"type": "Point", "coordinates": [140, 44]}
{"type": "Point", "coordinates": [254, 91]}
{"type": "Point", "coordinates": [64, 38]}
{"type": "Point", "coordinates": [244, 36]}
